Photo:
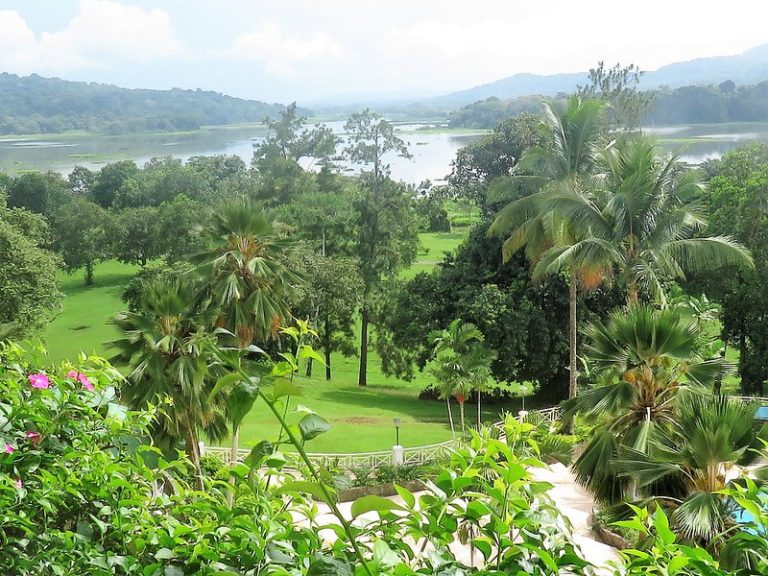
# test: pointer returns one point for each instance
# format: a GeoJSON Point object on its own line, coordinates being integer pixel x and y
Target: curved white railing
{"type": "Point", "coordinates": [415, 455]}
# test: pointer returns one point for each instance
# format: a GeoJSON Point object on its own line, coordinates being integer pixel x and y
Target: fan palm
{"type": "Point", "coordinates": [645, 357]}
{"type": "Point", "coordinates": [249, 282]}
{"type": "Point", "coordinates": [166, 345]}
{"type": "Point", "coordinates": [645, 220]}
{"type": "Point", "coordinates": [701, 453]}
{"type": "Point", "coordinates": [565, 166]}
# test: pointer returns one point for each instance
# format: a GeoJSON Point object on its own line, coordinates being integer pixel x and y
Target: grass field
{"type": "Point", "coordinates": [361, 417]}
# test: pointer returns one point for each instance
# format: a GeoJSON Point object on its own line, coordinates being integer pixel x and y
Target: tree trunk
{"type": "Point", "coordinates": [362, 378]}
{"type": "Point", "coordinates": [632, 294]}
{"type": "Point", "coordinates": [479, 417]}
{"type": "Point", "coordinates": [193, 453]}
{"type": "Point", "coordinates": [232, 463]}
{"type": "Point", "coordinates": [719, 378]}
{"type": "Point", "coordinates": [573, 373]}
{"type": "Point", "coordinates": [450, 416]}
{"type": "Point", "coordinates": [327, 363]}
{"type": "Point", "coordinates": [309, 368]}
{"type": "Point", "coordinates": [461, 412]}
{"type": "Point", "coordinates": [89, 273]}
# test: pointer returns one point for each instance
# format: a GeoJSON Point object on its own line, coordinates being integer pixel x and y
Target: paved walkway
{"type": "Point", "coordinates": [571, 500]}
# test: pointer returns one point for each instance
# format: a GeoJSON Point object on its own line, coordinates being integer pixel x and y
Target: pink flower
{"type": "Point", "coordinates": [9, 449]}
{"type": "Point", "coordinates": [34, 436]}
{"type": "Point", "coordinates": [19, 484]}
{"type": "Point", "coordinates": [39, 380]}
{"type": "Point", "coordinates": [82, 378]}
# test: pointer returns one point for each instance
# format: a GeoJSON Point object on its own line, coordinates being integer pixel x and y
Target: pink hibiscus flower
{"type": "Point", "coordinates": [34, 436]}
{"type": "Point", "coordinates": [80, 377]}
{"type": "Point", "coordinates": [19, 484]}
{"type": "Point", "coordinates": [9, 449]}
{"type": "Point", "coordinates": [39, 380]}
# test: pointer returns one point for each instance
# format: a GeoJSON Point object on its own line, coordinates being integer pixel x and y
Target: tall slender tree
{"type": "Point", "coordinates": [564, 165]}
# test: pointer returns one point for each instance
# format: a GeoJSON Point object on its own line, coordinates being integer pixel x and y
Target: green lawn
{"type": "Point", "coordinates": [361, 417]}
{"type": "Point", "coordinates": [83, 325]}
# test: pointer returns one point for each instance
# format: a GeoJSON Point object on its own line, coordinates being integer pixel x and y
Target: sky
{"type": "Point", "coordinates": [323, 51]}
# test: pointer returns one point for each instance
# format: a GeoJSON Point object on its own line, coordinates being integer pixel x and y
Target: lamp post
{"type": "Point", "coordinates": [397, 451]}
{"type": "Point", "coordinates": [396, 422]}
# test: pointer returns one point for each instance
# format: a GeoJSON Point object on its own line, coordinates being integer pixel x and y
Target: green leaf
{"type": "Point", "coordinates": [259, 453]}
{"type": "Point", "coordinates": [329, 566]}
{"type": "Point", "coordinates": [312, 488]}
{"type": "Point", "coordinates": [224, 382]}
{"type": "Point", "coordinates": [285, 387]}
{"type": "Point", "coordinates": [406, 495]}
{"type": "Point", "coordinates": [384, 556]}
{"type": "Point", "coordinates": [312, 426]}
{"type": "Point", "coordinates": [240, 401]}
{"type": "Point", "coordinates": [309, 352]}
{"type": "Point", "coordinates": [165, 554]}
{"type": "Point", "coordinates": [173, 571]}
{"type": "Point", "coordinates": [373, 504]}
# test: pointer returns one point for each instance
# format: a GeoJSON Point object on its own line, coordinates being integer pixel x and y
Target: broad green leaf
{"type": "Point", "coordinates": [406, 495]}
{"type": "Point", "coordinates": [309, 352]}
{"type": "Point", "coordinates": [284, 388]}
{"type": "Point", "coordinates": [373, 504]}
{"type": "Point", "coordinates": [312, 426]}
{"type": "Point", "coordinates": [329, 566]}
{"type": "Point", "coordinates": [224, 382]}
{"type": "Point", "coordinates": [165, 554]}
{"type": "Point", "coordinates": [259, 453]}
{"type": "Point", "coordinates": [384, 556]}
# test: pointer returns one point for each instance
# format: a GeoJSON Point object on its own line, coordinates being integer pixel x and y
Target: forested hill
{"type": "Point", "coordinates": [725, 102]}
{"type": "Point", "coordinates": [33, 105]}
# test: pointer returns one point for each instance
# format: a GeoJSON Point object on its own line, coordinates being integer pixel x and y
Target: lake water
{"type": "Point", "coordinates": [432, 151]}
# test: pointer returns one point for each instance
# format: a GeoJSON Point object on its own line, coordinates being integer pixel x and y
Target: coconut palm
{"type": "Point", "coordinates": [700, 455]}
{"type": "Point", "coordinates": [166, 345]}
{"type": "Point", "coordinates": [645, 219]}
{"type": "Point", "coordinates": [565, 166]}
{"type": "Point", "coordinates": [644, 357]}
{"type": "Point", "coordinates": [461, 365]}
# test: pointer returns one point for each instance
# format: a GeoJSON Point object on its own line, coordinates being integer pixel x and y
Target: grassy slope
{"type": "Point", "coordinates": [361, 418]}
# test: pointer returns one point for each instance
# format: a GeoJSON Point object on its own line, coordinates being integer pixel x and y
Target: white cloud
{"type": "Point", "coordinates": [280, 52]}
{"type": "Point", "coordinates": [102, 33]}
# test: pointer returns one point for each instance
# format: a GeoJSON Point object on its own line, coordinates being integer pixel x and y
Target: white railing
{"type": "Point", "coordinates": [415, 455]}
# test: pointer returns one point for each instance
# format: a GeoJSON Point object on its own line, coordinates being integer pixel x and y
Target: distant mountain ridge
{"type": "Point", "coordinates": [749, 67]}
{"type": "Point", "coordinates": [34, 105]}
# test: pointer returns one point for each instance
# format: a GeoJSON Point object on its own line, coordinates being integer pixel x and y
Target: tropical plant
{"type": "Point", "coordinates": [461, 365]}
{"type": "Point", "coordinates": [565, 165]}
{"type": "Point", "coordinates": [167, 345]}
{"type": "Point", "coordinates": [249, 285]}
{"type": "Point", "coordinates": [643, 358]}
{"type": "Point", "coordinates": [645, 220]}
{"type": "Point", "coordinates": [713, 438]}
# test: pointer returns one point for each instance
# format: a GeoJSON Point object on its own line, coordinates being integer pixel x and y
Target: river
{"type": "Point", "coordinates": [432, 150]}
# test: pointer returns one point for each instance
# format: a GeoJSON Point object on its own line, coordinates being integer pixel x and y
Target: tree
{"type": "Point", "coordinates": [643, 357]}
{"type": "Point", "coordinates": [565, 165]}
{"type": "Point", "coordinates": [646, 223]}
{"type": "Point", "coordinates": [181, 222]}
{"type": "Point", "coordinates": [29, 286]}
{"type": "Point", "coordinates": [110, 179]}
{"type": "Point", "coordinates": [40, 193]}
{"type": "Point", "coordinates": [167, 346]}
{"type": "Point", "coordinates": [80, 235]}
{"type": "Point", "coordinates": [138, 237]}
{"type": "Point", "coordinates": [493, 156]}
{"type": "Point", "coordinates": [699, 458]}
{"type": "Point", "coordinates": [461, 365]}
{"type": "Point", "coordinates": [618, 87]}
{"type": "Point", "coordinates": [387, 225]}
{"type": "Point", "coordinates": [330, 300]}
{"type": "Point", "coordinates": [250, 285]}
{"type": "Point", "coordinates": [736, 202]}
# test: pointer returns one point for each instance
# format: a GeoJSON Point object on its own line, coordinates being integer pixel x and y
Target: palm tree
{"type": "Point", "coordinates": [565, 166]}
{"type": "Point", "coordinates": [699, 456]}
{"type": "Point", "coordinates": [167, 346]}
{"type": "Point", "coordinates": [645, 221]}
{"type": "Point", "coordinates": [644, 357]}
{"type": "Point", "coordinates": [461, 364]}
{"type": "Point", "coordinates": [249, 283]}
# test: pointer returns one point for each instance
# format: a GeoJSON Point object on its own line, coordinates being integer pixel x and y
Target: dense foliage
{"type": "Point", "coordinates": [36, 105]}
